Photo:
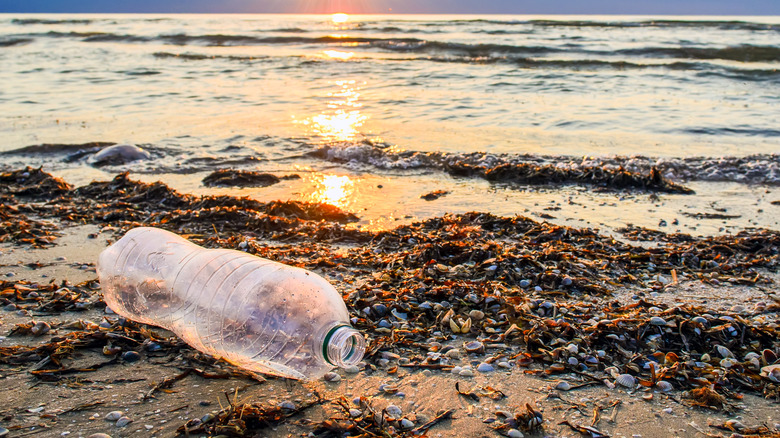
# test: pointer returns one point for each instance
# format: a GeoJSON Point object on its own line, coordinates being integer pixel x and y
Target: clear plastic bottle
{"type": "Point", "coordinates": [253, 312]}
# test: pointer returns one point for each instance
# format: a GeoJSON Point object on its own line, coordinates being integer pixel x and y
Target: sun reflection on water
{"type": "Point", "coordinates": [335, 54]}
{"type": "Point", "coordinates": [337, 190]}
{"type": "Point", "coordinates": [341, 121]}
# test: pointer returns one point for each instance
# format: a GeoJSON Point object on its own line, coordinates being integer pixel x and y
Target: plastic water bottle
{"type": "Point", "coordinates": [255, 313]}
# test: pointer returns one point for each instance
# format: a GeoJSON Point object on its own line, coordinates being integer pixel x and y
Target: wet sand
{"type": "Point", "coordinates": [51, 392]}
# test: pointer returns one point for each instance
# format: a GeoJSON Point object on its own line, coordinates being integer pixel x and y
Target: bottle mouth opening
{"type": "Point", "coordinates": [343, 346]}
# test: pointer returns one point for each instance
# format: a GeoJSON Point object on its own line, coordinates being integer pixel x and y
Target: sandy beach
{"type": "Point", "coordinates": [559, 318]}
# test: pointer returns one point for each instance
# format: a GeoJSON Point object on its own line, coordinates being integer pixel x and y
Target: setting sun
{"type": "Point", "coordinates": [339, 18]}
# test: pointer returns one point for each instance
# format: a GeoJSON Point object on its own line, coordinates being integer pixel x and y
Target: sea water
{"type": "Point", "coordinates": [366, 111]}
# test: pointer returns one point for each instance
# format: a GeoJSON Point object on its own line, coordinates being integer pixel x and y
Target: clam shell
{"type": "Point", "coordinates": [723, 351]}
{"type": "Point", "coordinates": [664, 386]}
{"type": "Point", "coordinates": [728, 362]}
{"type": "Point", "coordinates": [474, 347]}
{"type": "Point", "coordinates": [563, 385]}
{"type": "Point", "coordinates": [771, 372]}
{"type": "Point", "coordinates": [626, 380]}
{"type": "Point", "coordinates": [657, 320]}
{"type": "Point", "coordinates": [476, 315]}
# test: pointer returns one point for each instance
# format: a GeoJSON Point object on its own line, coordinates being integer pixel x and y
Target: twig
{"type": "Point", "coordinates": [441, 417]}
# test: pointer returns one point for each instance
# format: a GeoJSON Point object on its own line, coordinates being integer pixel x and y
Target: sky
{"type": "Point", "coordinates": [659, 7]}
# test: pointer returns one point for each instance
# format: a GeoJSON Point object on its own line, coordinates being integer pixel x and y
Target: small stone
{"type": "Point", "coordinates": [131, 356]}
{"type": "Point", "coordinates": [332, 377]}
{"type": "Point", "coordinates": [566, 281]}
{"type": "Point", "coordinates": [485, 368]}
{"type": "Point", "coordinates": [290, 406]}
{"type": "Point", "coordinates": [124, 421]}
{"type": "Point", "coordinates": [407, 424]}
{"type": "Point", "coordinates": [149, 426]}
{"type": "Point", "coordinates": [514, 433]}
{"type": "Point", "coordinates": [113, 415]}
{"type": "Point", "coordinates": [525, 283]}
{"type": "Point", "coordinates": [504, 364]}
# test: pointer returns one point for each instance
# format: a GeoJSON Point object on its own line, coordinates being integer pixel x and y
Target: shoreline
{"type": "Point", "coordinates": [475, 261]}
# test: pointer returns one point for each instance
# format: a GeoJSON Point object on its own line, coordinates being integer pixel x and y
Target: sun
{"type": "Point", "coordinates": [339, 18]}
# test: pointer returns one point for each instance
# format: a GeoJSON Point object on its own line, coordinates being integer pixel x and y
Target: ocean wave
{"type": "Point", "coordinates": [543, 169]}
{"type": "Point", "coordinates": [31, 21]}
{"type": "Point", "coordinates": [705, 24]}
{"type": "Point", "coordinates": [741, 53]}
{"type": "Point", "coordinates": [202, 57]}
{"type": "Point", "coordinates": [9, 42]}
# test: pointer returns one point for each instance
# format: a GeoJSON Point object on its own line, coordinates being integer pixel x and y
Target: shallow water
{"type": "Point", "coordinates": [265, 92]}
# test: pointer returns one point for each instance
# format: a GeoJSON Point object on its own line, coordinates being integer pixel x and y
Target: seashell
{"type": "Point", "coordinates": [388, 389]}
{"type": "Point", "coordinates": [699, 320]}
{"type": "Point", "coordinates": [485, 368]}
{"type": "Point", "coordinates": [723, 351]}
{"type": "Point", "coordinates": [771, 372]}
{"type": "Point", "coordinates": [474, 347]}
{"type": "Point", "coordinates": [407, 424]}
{"type": "Point", "coordinates": [455, 353]}
{"type": "Point", "coordinates": [514, 433]}
{"type": "Point", "coordinates": [466, 372]}
{"type": "Point", "coordinates": [671, 358]}
{"type": "Point", "coordinates": [752, 355]}
{"type": "Point", "coordinates": [113, 415]}
{"type": "Point", "coordinates": [572, 348]}
{"type": "Point", "coordinates": [657, 320]}
{"type": "Point", "coordinates": [612, 372]}
{"type": "Point", "coordinates": [393, 411]}
{"type": "Point", "coordinates": [563, 385]}
{"type": "Point", "coordinates": [705, 358]}
{"type": "Point", "coordinates": [476, 315]}
{"type": "Point", "coordinates": [124, 421]}
{"type": "Point", "coordinates": [573, 361]}
{"type": "Point", "coordinates": [331, 377]}
{"type": "Point", "coordinates": [734, 425]}
{"type": "Point", "coordinates": [557, 368]}
{"type": "Point", "coordinates": [354, 413]}
{"type": "Point", "coordinates": [460, 326]}
{"type": "Point", "coordinates": [524, 360]}
{"type": "Point", "coordinates": [728, 362]}
{"type": "Point", "coordinates": [626, 380]}
{"type": "Point", "coordinates": [768, 357]}
{"type": "Point", "coordinates": [647, 396]}
{"type": "Point", "coordinates": [663, 386]}
{"type": "Point", "coordinates": [40, 328]}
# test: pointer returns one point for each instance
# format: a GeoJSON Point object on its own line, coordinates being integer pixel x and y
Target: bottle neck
{"type": "Point", "coordinates": [343, 346]}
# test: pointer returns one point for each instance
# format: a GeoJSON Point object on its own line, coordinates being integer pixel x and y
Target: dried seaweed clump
{"type": "Point", "coordinates": [33, 183]}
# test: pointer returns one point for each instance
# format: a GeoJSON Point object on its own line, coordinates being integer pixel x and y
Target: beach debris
{"type": "Point", "coordinates": [119, 154]}
{"type": "Point", "coordinates": [114, 415]}
{"type": "Point", "coordinates": [239, 178]}
{"type": "Point", "coordinates": [588, 431]}
{"type": "Point", "coordinates": [434, 195]}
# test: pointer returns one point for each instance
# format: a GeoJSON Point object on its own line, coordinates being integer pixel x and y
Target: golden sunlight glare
{"type": "Point", "coordinates": [335, 190]}
{"type": "Point", "coordinates": [339, 18]}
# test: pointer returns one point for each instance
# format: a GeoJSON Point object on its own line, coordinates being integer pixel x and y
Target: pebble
{"type": "Point", "coordinates": [131, 356]}
{"type": "Point", "coordinates": [525, 283]}
{"type": "Point", "coordinates": [485, 368]}
{"type": "Point", "coordinates": [287, 405]}
{"type": "Point", "coordinates": [504, 364]}
{"type": "Point", "coordinates": [124, 421]}
{"type": "Point", "coordinates": [514, 433]}
{"type": "Point", "coordinates": [332, 377]}
{"type": "Point", "coordinates": [113, 415]}
{"type": "Point", "coordinates": [407, 424]}
{"type": "Point", "coordinates": [393, 411]}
